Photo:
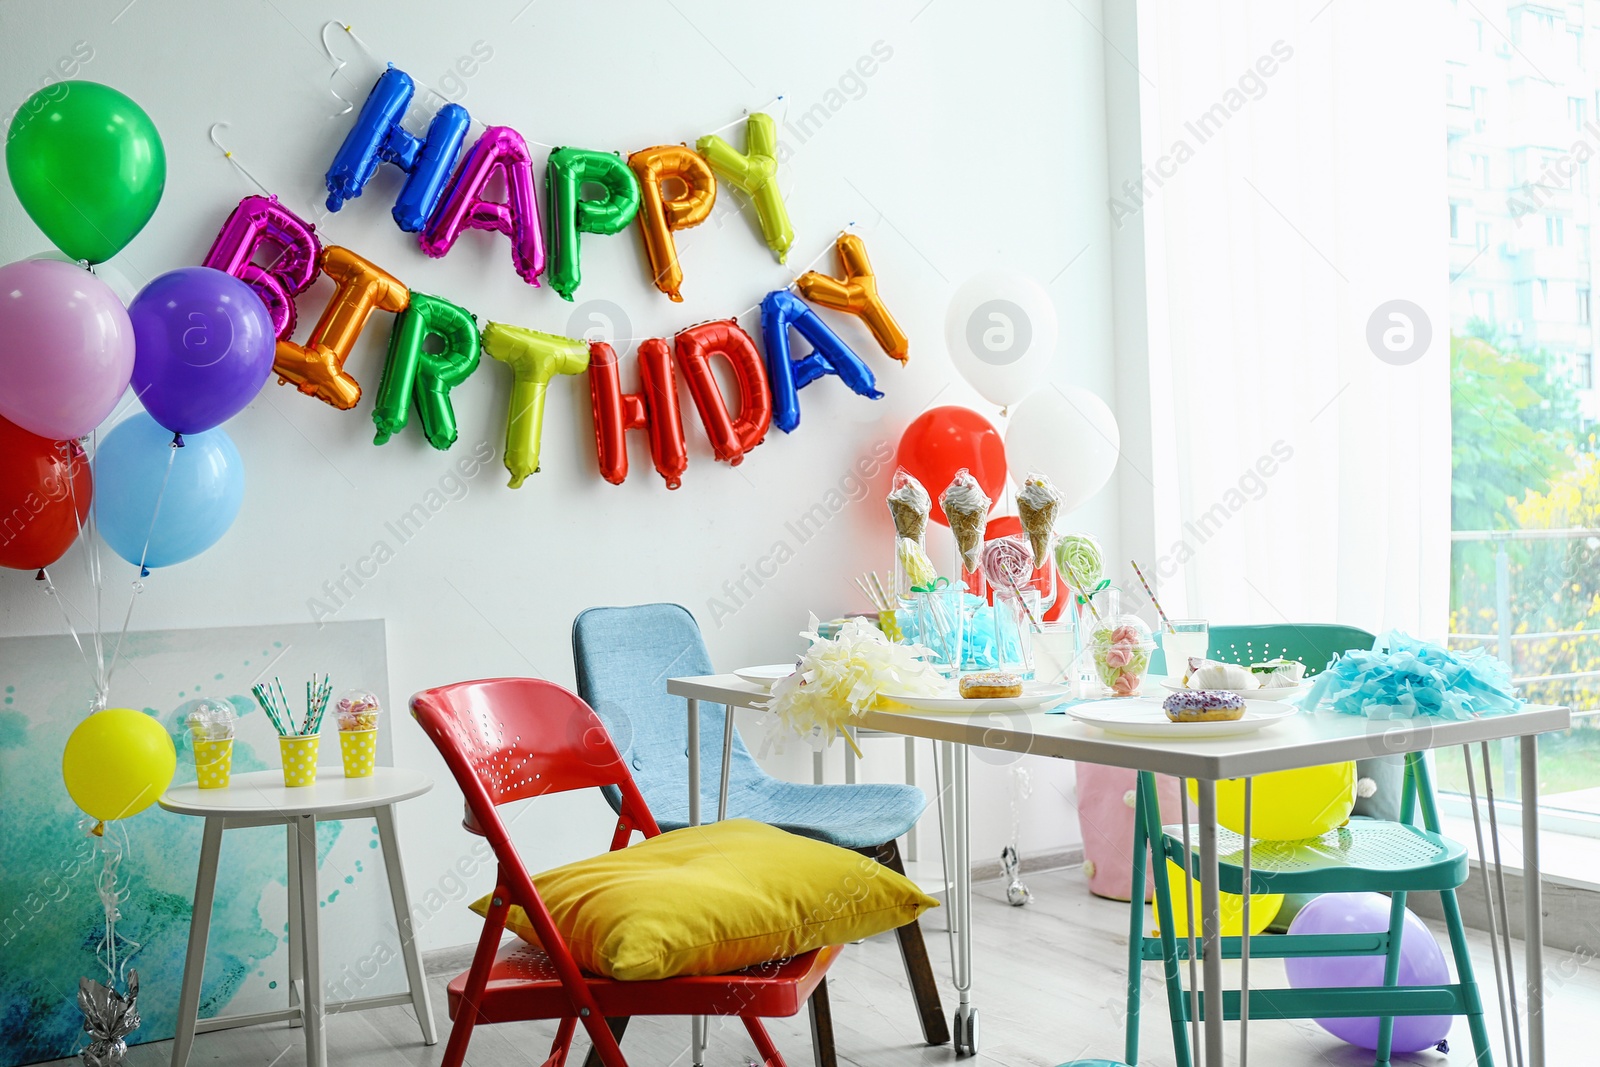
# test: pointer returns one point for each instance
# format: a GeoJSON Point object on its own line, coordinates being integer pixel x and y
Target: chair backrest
{"type": "Point", "coordinates": [508, 739]}
{"type": "Point", "coordinates": [1312, 643]}
{"type": "Point", "coordinates": [623, 657]}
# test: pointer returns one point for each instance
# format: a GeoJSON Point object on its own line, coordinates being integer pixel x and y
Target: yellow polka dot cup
{"type": "Point", "coordinates": [299, 759]}
{"type": "Point", "coordinates": [213, 763]}
{"type": "Point", "coordinates": [359, 749]}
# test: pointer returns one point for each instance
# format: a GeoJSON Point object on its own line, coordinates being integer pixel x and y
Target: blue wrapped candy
{"type": "Point", "coordinates": [1403, 677]}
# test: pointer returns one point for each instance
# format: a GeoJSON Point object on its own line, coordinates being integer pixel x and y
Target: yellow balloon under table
{"type": "Point", "coordinates": [1263, 907]}
{"type": "Point", "coordinates": [117, 762]}
{"type": "Point", "coordinates": [1288, 805]}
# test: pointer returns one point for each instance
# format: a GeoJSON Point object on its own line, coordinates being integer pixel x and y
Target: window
{"type": "Point", "coordinates": [1485, 236]}
{"type": "Point", "coordinates": [1480, 170]}
{"type": "Point", "coordinates": [1480, 100]}
{"type": "Point", "coordinates": [1583, 317]}
{"type": "Point", "coordinates": [1582, 230]}
{"type": "Point", "coordinates": [1575, 111]}
{"type": "Point", "coordinates": [1483, 305]}
{"type": "Point", "coordinates": [1555, 231]}
{"type": "Point", "coordinates": [1575, 39]}
{"type": "Point", "coordinates": [1584, 364]}
{"type": "Point", "coordinates": [1455, 222]}
{"type": "Point", "coordinates": [1477, 34]}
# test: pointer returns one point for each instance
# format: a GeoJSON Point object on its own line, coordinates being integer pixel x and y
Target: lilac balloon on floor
{"type": "Point", "coordinates": [203, 348]}
{"type": "Point", "coordinates": [66, 348]}
{"type": "Point", "coordinates": [1421, 963]}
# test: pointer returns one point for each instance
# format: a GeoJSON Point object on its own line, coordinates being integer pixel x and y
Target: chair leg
{"type": "Point", "coordinates": [1465, 976]}
{"type": "Point", "coordinates": [1391, 974]}
{"type": "Point", "coordinates": [466, 1013]}
{"type": "Point", "coordinates": [1130, 1052]}
{"type": "Point", "coordinates": [618, 1025]}
{"type": "Point", "coordinates": [562, 1044]}
{"type": "Point", "coordinates": [1150, 806]}
{"type": "Point", "coordinates": [770, 1056]}
{"type": "Point", "coordinates": [822, 1027]}
{"type": "Point", "coordinates": [914, 952]}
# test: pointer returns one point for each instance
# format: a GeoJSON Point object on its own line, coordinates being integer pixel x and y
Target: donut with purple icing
{"type": "Point", "coordinates": [1203, 705]}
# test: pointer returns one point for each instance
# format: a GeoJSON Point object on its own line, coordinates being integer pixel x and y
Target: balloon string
{"type": "Point", "coordinates": [144, 554]}
{"type": "Point", "coordinates": [746, 116]}
{"type": "Point", "coordinates": [227, 154]}
{"type": "Point", "coordinates": [53, 593]}
{"type": "Point", "coordinates": [112, 853]}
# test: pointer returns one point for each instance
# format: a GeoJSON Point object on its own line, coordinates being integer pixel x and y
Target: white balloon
{"type": "Point", "coordinates": [1000, 327]}
{"type": "Point", "coordinates": [1070, 436]}
{"type": "Point", "coordinates": [106, 272]}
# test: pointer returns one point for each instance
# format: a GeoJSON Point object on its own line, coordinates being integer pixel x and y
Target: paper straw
{"type": "Point", "coordinates": [1152, 594]}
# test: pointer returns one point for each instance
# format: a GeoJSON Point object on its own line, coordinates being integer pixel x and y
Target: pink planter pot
{"type": "Point", "coordinates": [1105, 816]}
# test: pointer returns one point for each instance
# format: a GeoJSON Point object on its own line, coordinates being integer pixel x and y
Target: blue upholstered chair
{"type": "Point", "coordinates": [624, 657]}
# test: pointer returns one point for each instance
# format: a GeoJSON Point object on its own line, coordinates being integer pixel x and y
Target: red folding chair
{"type": "Point", "coordinates": [508, 739]}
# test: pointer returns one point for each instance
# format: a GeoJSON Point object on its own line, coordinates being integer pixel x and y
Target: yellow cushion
{"type": "Point", "coordinates": [717, 898]}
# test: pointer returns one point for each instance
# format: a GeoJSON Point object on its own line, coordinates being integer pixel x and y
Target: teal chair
{"type": "Point", "coordinates": [1366, 855]}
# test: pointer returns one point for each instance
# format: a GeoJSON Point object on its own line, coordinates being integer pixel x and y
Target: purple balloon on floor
{"type": "Point", "coordinates": [203, 347]}
{"type": "Point", "coordinates": [1421, 963]}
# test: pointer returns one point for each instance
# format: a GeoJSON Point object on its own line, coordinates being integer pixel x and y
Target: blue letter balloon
{"type": "Point", "coordinates": [203, 348]}
{"type": "Point", "coordinates": [159, 504]}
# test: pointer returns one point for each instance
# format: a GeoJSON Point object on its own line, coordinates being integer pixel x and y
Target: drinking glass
{"type": "Point", "coordinates": [1055, 647]}
{"type": "Point", "coordinates": [1188, 639]}
{"type": "Point", "coordinates": [1013, 629]}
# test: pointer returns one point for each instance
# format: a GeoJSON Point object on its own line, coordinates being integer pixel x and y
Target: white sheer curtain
{"type": "Point", "coordinates": [1294, 183]}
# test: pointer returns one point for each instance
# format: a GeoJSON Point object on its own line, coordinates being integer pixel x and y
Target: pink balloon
{"type": "Point", "coordinates": [500, 148]}
{"type": "Point", "coordinates": [66, 348]}
{"type": "Point", "coordinates": [262, 220]}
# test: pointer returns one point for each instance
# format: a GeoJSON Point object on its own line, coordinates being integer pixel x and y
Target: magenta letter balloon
{"type": "Point", "coordinates": [262, 220]}
{"type": "Point", "coordinates": [500, 148]}
{"type": "Point", "coordinates": [66, 348]}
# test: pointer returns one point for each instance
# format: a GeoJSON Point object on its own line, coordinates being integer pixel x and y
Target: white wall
{"type": "Point", "coordinates": [979, 141]}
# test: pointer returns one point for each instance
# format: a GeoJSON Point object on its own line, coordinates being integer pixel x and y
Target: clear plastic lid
{"type": "Point", "coordinates": [1127, 630]}
{"type": "Point", "coordinates": [208, 719]}
{"type": "Point", "coordinates": [357, 709]}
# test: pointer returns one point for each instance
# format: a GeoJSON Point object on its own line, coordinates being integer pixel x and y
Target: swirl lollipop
{"type": "Point", "coordinates": [1007, 562]}
{"type": "Point", "coordinates": [1080, 559]}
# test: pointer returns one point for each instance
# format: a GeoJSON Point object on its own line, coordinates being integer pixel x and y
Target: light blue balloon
{"type": "Point", "coordinates": [202, 497]}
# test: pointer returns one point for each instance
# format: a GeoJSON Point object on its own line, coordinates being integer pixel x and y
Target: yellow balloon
{"type": "Point", "coordinates": [1263, 907]}
{"type": "Point", "coordinates": [1288, 805]}
{"type": "Point", "coordinates": [117, 762]}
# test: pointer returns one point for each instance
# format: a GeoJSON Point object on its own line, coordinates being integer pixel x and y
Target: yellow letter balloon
{"type": "Point", "coordinates": [117, 762]}
{"type": "Point", "coordinates": [1263, 907]}
{"type": "Point", "coordinates": [754, 172]}
{"type": "Point", "coordinates": [534, 358]}
{"type": "Point", "coordinates": [1289, 805]}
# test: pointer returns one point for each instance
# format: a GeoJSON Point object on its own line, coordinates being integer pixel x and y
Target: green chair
{"type": "Point", "coordinates": [1365, 855]}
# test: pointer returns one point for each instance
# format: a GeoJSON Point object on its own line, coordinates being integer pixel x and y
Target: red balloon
{"type": "Point", "coordinates": [941, 441]}
{"type": "Point", "coordinates": [730, 437]}
{"type": "Point", "coordinates": [1011, 526]}
{"type": "Point", "coordinates": [40, 483]}
{"type": "Point", "coordinates": [653, 408]}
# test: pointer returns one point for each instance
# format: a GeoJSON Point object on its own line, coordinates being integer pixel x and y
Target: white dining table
{"type": "Point", "coordinates": [1304, 740]}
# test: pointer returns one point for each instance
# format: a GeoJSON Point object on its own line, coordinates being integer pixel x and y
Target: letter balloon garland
{"type": "Point", "coordinates": [435, 344]}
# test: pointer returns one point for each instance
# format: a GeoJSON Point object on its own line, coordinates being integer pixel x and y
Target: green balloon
{"type": "Point", "coordinates": [88, 166]}
{"type": "Point", "coordinates": [414, 376]}
{"type": "Point", "coordinates": [566, 173]}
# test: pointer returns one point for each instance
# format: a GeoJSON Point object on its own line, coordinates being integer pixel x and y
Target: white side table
{"type": "Point", "coordinates": [260, 798]}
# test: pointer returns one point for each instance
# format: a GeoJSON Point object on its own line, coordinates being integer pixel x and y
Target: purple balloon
{"type": "Point", "coordinates": [1421, 963]}
{"type": "Point", "coordinates": [203, 347]}
{"type": "Point", "coordinates": [66, 348]}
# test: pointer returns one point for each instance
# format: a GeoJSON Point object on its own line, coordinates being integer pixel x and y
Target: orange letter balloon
{"type": "Point", "coordinates": [856, 293]}
{"type": "Point", "coordinates": [659, 216]}
{"type": "Point", "coordinates": [316, 368]}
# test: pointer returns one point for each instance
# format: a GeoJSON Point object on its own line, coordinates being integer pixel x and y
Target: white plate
{"type": "Point", "coordinates": [1143, 717]}
{"type": "Point", "coordinates": [765, 675]}
{"type": "Point", "coordinates": [1035, 695]}
{"type": "Point", "coordinates": [1280, 692]}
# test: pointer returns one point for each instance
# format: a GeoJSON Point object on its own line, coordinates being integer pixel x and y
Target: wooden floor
{"type": "Point", "coordinates": [1049, 981]}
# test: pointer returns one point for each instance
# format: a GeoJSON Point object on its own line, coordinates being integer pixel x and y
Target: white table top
{"type": "Point", "coordinates": [1305, 740]}
{"type": "Point", "coordinates": [258, 793]}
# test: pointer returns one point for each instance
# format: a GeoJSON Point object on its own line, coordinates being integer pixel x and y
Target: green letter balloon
{"type": "Point", "coordinates": [568, 170]}
{"type": "Point", "coordinates": [754, 173]}
{"type": "Point", "coordinates": [413, 374]}
{"type": "Point", "coordinates": [88, 166]}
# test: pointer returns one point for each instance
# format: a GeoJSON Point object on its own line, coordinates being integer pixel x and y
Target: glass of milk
{"type": "Point", "coordinates": [1187, 638]}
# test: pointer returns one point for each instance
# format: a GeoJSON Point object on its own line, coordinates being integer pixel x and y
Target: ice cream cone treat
{"type": "Point", "coordinates": [966, 506]}
{"type": "Point", "coordinates": [357, 709]}
{"type": "Point", "coordinates": [909, 504]}
{"type": "Point", "coordinates": [1038, 504]}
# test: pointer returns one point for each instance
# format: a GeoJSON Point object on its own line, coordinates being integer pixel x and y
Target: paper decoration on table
{"type": "Point", "coordinates": [838, 678]}
{"type": "Point", "coordinates": [1404, 677]}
